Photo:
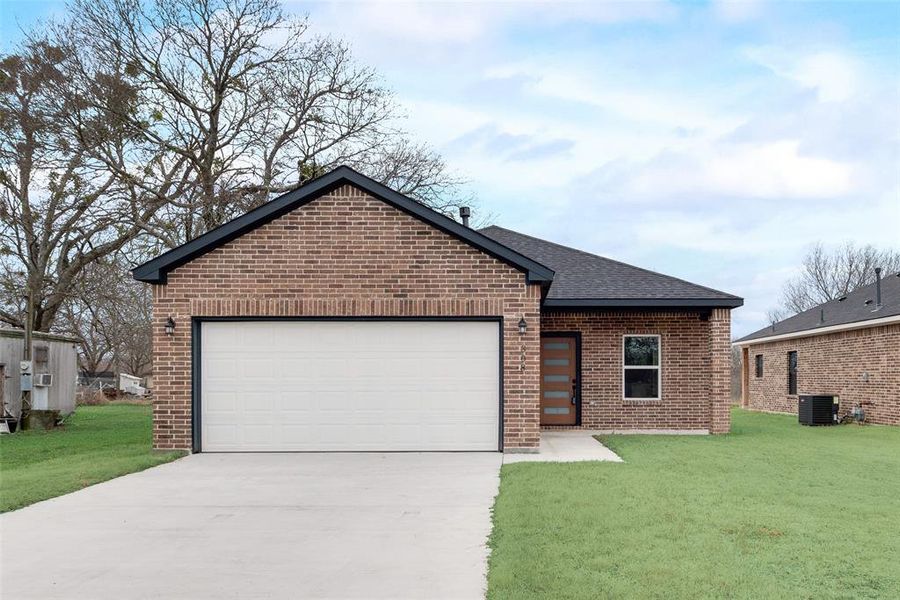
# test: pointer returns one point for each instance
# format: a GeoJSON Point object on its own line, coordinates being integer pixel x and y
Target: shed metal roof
{"type": "Point", "coordinates": [13, 332]}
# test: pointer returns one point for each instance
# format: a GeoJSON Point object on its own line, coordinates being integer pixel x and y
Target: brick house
{"type": "Point", "coordinates": [848, 347]}
{"type": "Point", "coordinates": [345, 316]}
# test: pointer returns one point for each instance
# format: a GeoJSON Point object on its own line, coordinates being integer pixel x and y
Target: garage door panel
{"type": "Point", "coordinates": [349, 385]}
{"type": "Point", "coordinates": [257, 337]}
{"type": "Point", "coordinates": [219, 371]}
{"type": "Point", "coordinates": [222, 401]}
{"type": "Point", "coordinates": [224, 434]}
{"type": "Point", "coordinates": [220, 338]}
{"type": "Point", "coordinates": [255, 403]}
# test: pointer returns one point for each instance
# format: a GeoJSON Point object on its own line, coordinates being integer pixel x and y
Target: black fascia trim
{"type": "Point", "coordinates": [643, 302]}
{"type": "Point", "coordinates": [156, 270]}
{"type": "Point", "coordinates": [196, 341]}
{"type": "Point", "coordinates": [196, 441]}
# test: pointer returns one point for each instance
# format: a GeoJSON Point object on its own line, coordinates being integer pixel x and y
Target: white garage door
{"type": "Point", "coordinates": [349, 385]}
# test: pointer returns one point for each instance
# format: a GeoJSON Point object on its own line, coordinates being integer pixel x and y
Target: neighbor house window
{"type": "Point", "coordinates": [792, 373]}
{"type": "Point", "coordinates": [759, 365]}
{"type": "Point", "coordinates": [640, 366]}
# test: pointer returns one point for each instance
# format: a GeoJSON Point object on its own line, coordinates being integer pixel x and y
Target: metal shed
{"type": "Point", "coordinates": [53, 354]}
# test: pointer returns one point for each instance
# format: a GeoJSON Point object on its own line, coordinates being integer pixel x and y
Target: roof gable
{"type": "Point", "coordinates": [584, 280]}
{"type": "Point", "coordinates": [156, 270]}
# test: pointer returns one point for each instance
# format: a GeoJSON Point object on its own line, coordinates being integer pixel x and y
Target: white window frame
{"type": "Point", "coordinates": [657, 367]}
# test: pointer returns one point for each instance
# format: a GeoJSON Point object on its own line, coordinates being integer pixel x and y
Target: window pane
{"type": "Point", "coordinates": [792, 372]}
{"type": "Point", "coordinates": [641, 351]}
{"type": "Point", "coordinates": [556, 345]}
{"type": "Point", "coordinates": [556, 362]}
{"type": "Point", "coordinates": [641, 383]}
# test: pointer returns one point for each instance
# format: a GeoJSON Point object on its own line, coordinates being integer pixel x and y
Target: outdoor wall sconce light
{"type": "Point", "coordinates": [170, 326]}
{"type": "Point", "coordinates": [523, 326]}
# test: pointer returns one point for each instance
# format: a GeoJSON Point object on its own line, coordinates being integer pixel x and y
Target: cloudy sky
{"type": "Point", "coordinates": [711, 141]}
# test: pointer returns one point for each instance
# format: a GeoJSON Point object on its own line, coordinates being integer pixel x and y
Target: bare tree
{"type": "Point", "coordinates": [827, 274]}
{"type": "Point", "coordinates": [81, 320]}
{"type": "Point", "coordinates": [60, 210]}
{"type": "Point", "coordinates": [137, 125]}
{"type": "Point", "coordinates": [779, 313]}
{"type": "Point", "coordinates": [737, 379]}
{"type": "Point", "coordinates": [247, 98]}
{"type": "Point", "coordinates": [128, 326]}
{"type": "Point", "coordinates": [110, 313]}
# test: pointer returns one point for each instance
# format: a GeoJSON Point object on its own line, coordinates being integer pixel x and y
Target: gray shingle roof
{"type": "Point", "coordinates": [583, 279]}
{"type": "Point", "coordinates": [852, 309]}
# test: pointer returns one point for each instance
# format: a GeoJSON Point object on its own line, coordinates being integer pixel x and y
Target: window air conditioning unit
{"type": "Point", "coordinates": [43, 379]}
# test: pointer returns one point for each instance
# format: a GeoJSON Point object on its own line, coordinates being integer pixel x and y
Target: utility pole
{"type": "Point", "coordinates": [26, 354]}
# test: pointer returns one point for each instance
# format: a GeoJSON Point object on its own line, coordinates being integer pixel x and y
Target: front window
{"type": "Point", "coordinates": [759, 365]}
{"type": "Point", "coordinates": [641, 367]}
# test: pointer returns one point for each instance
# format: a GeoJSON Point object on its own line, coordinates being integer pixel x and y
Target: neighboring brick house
{"type": "Point", "coordinates": [345, 316]}
{"type": "Point", "coordinates": [848, 347]}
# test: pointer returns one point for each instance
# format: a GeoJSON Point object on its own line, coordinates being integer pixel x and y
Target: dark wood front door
{"type": "Point", "coordinates": [559, 380]}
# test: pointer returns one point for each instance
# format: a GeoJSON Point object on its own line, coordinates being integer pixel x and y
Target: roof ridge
{"type": "Point", "coordinates": [618, 262]}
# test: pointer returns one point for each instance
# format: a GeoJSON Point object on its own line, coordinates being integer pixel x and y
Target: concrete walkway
{"type": "Point", "coordinates": [262, 526]}
{"type": "Point", "coordinates": [566, 446]}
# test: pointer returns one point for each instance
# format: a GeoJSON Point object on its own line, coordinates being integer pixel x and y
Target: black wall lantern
{"type": "Point", "coordinates": [523, 326]}
{"type": "Point", "coordinates": [170, 326]}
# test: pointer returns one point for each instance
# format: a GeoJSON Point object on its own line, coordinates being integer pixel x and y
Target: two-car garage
{"type": "Point", "coordinates": [347, 385]}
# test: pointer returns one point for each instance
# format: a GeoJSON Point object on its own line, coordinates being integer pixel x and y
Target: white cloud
{"type": "Point", "coordinates": [772, 170]}
{"type": "Point", "coordinates": [667, 145]}
{"type": "Point", "coordinates": [426, 23]}
{"type": "Point", "coordinates": [836, 76]}
{"type": "Point", "coordinates": [737, 11]}
{"type": "Point", "coordinates": [594, 82]}
{"type": "Point", "coordinates": [457, 23]}
{"type": "Point", "coordinates": [776, 170]}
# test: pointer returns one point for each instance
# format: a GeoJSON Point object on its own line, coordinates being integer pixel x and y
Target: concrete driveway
{"type": "Point", "coordinates": [262, 526]}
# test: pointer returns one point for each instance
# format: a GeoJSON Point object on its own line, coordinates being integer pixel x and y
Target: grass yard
{"type": "Point", "coordinates": [97, 443]}
{"type": "Point", "coordinates": [773, 510]}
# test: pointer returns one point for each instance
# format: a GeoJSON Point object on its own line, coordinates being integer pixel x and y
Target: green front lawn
{"type": "Point", "coordinates": [97, 443]}
{"type": "Point", "coordinates": [773, 510]}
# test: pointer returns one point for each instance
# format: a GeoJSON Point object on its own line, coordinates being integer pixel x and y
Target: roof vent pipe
{"type": "Point", "coordinates": [877, 288]}
{"type": "Point", "coordinates": [821, 315]}
{"type": "Point", "coordinates": [464, 213]}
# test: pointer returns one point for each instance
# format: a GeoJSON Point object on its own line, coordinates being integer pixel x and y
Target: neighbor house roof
{"type": "Point", "coordinates": [587, 280]}
{"type": "Point", "coordinates": [156, 270]}
{"type": "Point", "coordinates": [859, 307]}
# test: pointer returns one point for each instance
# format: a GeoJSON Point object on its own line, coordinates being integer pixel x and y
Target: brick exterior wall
{"type": "Point", "coordinates": [696, 377]}
{"type": "Point", "coordinates": [833, 363]}
{"type": "Point", "coordinates": [345, 254]}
